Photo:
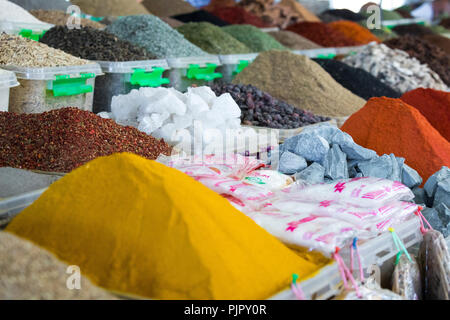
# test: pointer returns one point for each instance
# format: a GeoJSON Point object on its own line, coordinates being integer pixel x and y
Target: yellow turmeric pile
{"type": "Point", "coordinates": [135, 226]}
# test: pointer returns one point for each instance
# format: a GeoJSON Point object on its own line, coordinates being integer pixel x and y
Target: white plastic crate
{"type": "Point", "coordinates": [7, 80]}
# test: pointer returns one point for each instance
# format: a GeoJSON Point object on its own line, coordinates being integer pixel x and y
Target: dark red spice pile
{"type": "Point", "coordinates": [238, 15]}
{"type": "Point", "coordinates": [64, 139]}
{"type": "Point", "coordinates": [322, 34]}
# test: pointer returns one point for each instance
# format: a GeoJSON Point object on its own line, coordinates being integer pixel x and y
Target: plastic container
{"type": "Point", "coordinates": [189, 71]}
{"type": "Point", "coordinates": [323, 53]}
{"type": "Point", "coordinates": [10, 207]}
{"type": "Point", "coordinates": [233, 64]}
{"type": "Point", "coordinates": [122, 77]}
{"type": "Point", "coordinates": [33, 31]}
{"type": "Point", "coordinates": [7, 81]}
{"type": "Point", "coordinates": [45, 89]}
{"type": "Point", "coordinates": [393, 23]}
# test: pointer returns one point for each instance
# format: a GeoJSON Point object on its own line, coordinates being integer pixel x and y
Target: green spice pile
{"type": "Point", "coordinates": [62, 140]}
{"type": "Point", "coordinates": [301, 82]}
{"type": "Point", "coordinates": [154, 35]}
{"type": "Point", "coordinates": [211, 38]}
{"type": "Point", "coordinates": [92, 44]}
{"type": "Point", "coordinates": [22, 52]}
{"type": "Point", "coordinates": [253, 38]}
{"type": "Point", "coordinates": [31, 273]}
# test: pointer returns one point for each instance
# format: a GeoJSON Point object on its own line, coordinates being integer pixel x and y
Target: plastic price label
{"type": "Point", "coordinates": [241, 66]}
{"type": "Point", "coordinates": [64, 85]}
{"type": "Point", "coordinates": [152, 78]}
{"type": "Point", "coordinates": [30, 34]}
{"type": "Point", "coordinates": [207, 73]}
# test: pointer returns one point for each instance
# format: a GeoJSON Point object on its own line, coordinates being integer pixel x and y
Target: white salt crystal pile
{"type": "Point", "coordinates": [195, 121]}
{"type": "Point", "coordinates": [12, 12]}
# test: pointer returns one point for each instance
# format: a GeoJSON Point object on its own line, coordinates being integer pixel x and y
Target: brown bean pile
{"type": "Point", "coordinates": [64, 139]}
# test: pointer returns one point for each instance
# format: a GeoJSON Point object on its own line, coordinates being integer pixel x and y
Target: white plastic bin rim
{"type": "Point", "coordinates": [235, 58]}
{"type": "Point", "coordinates": [16, 27]}
{"type": "Point", "coordinates": [128, 66]}
{"type": "Point", "coordinates": [50, 73]}
{"type": "Point", "coordinates": [274, 29]}
{"type": "Point", "coordinates": [403, 21]}
{"type": "Point", "coordinates": [347, 50]}
{"type": "Point", "coordinates": [315, 52]}
{"type": "Point", "coordinates": [8, 79]}
{"type": "Point", "coordinates": [185, 62]}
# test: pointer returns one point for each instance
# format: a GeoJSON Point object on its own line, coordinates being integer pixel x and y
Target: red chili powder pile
{"type": "Point", "coordinates": [433, 105]}
{"type": "Point", "coordinates": [354, 31]}
{"type": "Point", "coordinates": [391, 126]}
{"type": "Point", "coordinates": [322, 34]}
{"type": "Point", "coordinates": [64, 139]}
{"type": "Point", "coordinates": [238, 15]}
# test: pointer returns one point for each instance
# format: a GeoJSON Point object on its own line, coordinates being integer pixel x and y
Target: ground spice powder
{"type": "Point", "coordinates": [139, 227]}
{"type": "Point", "coordinates": [322, 34]}
{"type": "Point", "coordinates": [238, 15]}
{"type": "Point", "coordinates": [354, 31]}
{"type": "Point", "coordinates": [392, 126]}
{"type": "Point", "coordinates": [433, 105]}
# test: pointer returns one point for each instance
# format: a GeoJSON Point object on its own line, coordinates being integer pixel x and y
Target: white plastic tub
{"type": "Point", "coordinates": [233, 64]}
{"type": "Point", "coordinates": [122, 77]}
{"type": "Point", "coordinates": [188, 71]}
{"type": "Point", "coordinates": [324, 53]}
{"type": "Point", "coordinates": [33, 31]}
{"type": "Point", "coordinates": [7, 81]}
{"type": "Point", "coordinates": [45, 89]}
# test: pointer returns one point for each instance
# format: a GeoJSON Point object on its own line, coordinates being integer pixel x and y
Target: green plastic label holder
{"type": "Point", "coordinates": [152, 78]}
{"type": "Point", "coordinates": [64, 85]}
{"type": "Point", "coordinates": [207, 73]}
{"type": "Point", "coordinates": [326, 56]}
{"type": "Point", "coordinates": [241, 66]}
{"type": "Point", "coordinates": [28, 33]}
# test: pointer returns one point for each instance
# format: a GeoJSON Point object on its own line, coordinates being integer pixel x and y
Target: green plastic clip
{"type": "Point", "coordinates": [28, 33]}
{"type": "Point", "coordinates": [207, 73]}
{"type": "Point", "coordinates": [64, 85]}
{"type": "Point", "coordinates": [326, 56]}
{"type": "Point", "coordinates": [152, 78]}
{"type": "Point", "coordinates": [241, 66]}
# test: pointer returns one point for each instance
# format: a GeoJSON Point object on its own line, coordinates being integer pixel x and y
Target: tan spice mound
{"type": "Point", "coordinates": [60, 18]}
{"type": "Point", "coordinates": [299, 81]}
{"type": "Point", "coordinates": [167, 8]}
{"type": "Point", "coordinates": [293, 41]}
{"type": "Point", "coordinates": [32, 273]}
{"type": "Point", "coordinates": [22, 52]}
{"type": "Point", "coordinates": [101, 8]}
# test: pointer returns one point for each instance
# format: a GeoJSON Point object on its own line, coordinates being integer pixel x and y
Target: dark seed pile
{"type": "Point", "coordinates": [341, 14]}
{"type": "Point", "coordinates": [414, 29]}
{"type": "Point", "coordinates": [93, 44]}
{"type": "Point", "coordinates": [201, 16]}
{"type": "Point", "coordinates": [262, 110]}
{"type": "Point", "coordinates": [427, 53]}
{"type": "Point", "coordinates": [358, 81]}
{"type": "Point", "coordinates": [64, 139]}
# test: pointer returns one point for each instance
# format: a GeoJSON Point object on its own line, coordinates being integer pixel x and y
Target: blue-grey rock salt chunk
{"type": "Point", "coordinates": [312, 147]}
{"type": "Point", "coordinates": [443, 213]}
{"type": "Point", "coordinates": [400, 162]}
{"type": "Point", "coordinates": [289, 144]}
{"type": "Point", "coordinates": [380, 167]}
{"type": "Point", "coordinates": [358, 175]}
{"type": "Point", "coordinates": [419, 196]}
{"type": "Point", "coordinates": [350, 148]}
{"type": "Point", "coordinates": [352, 172]}
{"type": "Point", "coordinates": [410, 177]}
{"type": "Point", "coordinates": [442, 195]}
{"type": "Point", "coordinates": [291, 163]}
{"type": "Point", "coordinates": [433, 219]}
{"type": "Point", "coordinates": [325, 130]}
{"type": "Point", "coordinates": [431, 184]}
{"type": "Point", "coordinates": [313, 174]}
{"type": "Point", "coordinates": [396, 172]}
{"type": "Point", "coordinates": [335, 164]}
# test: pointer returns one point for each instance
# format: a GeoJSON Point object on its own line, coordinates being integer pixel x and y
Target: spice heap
{"type": "Point", "coordinates": [301, 82]}
{"type": "Point", "coordinates": [260, 109]}
{"type": "Point", "coordinates": [22, 52]}
{"type": "Point", "coordinates": [280, 14]}
{"type": "Point", "coordinates": [60, 18]}
{"type": "Point", "coordinates": [17, 181]}
{"type": "Point", "coordinates": [62, 140]}
{"type": "Point", "coordinates": [168, 216]}
{"type": "Point", "coordinates": [357, 80]}
{"type": "Point", "coordinates": [340, 14]}
{"type": "Point", "coordinates": [12, 12]}
{"type": "Point", "coordinates": [43, 4]}
{"type": "Point", "coordinates": [201, 16]}
{"type": "Point", "coordinates": [100, 8]}
{"type": "Point", "coordinates": [439, 41]}
{"type": "Point", "coordinates": [32, 273]}
{"type": "Point", "coordinates": [154, 35]}
{"type": "Point", "coordinates": [167, 8]}
{"type": "Point", "coordinates": [212, 39]}
{"type": "Point", "coordinates": [322, 34]}
{"type": "Point", "coordinates": [293, 41]}
{"type": "Point", "coordinates": [395, 68]}
{"type": "Point", "coordinates": [167, 113]}
{"type": "Point", "coordinates": [413, 29]}
{"type": "Point", "coordinates": [392, 126]}
{"type": "Point", "coordinates": [253, 38]}
{"type": "Point", "coordinates": [238, 15]}
{"type": "Point", "coordinates": [92, 44]}
{"type": "Point", "coordinates": [426, 53]}
{"type": "Point", "coordinates": [172, 22]}
{"type": "Point", "coordinates": [433, 105]}
{"type": "Point", "coordinates": [354, 31]}
{"type": "Point", "coordinates": [445, 23]}
{"type": "Point", "coordinates": [324, 153]}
